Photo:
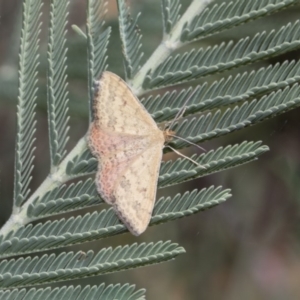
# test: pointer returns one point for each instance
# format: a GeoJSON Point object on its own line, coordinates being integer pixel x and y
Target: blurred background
{"type": "Point", "coordinates": [246, 248]}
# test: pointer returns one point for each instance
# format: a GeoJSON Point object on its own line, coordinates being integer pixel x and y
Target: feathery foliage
{"type": "Point", "coordinates": [57, 85]}
{"type": "Point", "coordinates": [98, 38]}
{"type": "Point", "coordinates": [223, 92]}
{"type": "Point", "coordinates": [198, 63]}
{"type": "Point", "coordinates": [226, 15]}
{"type": "Point", "coordinates": [220, 108]}
{"type": "Point", "coordinates": [121, 292]}
{"type": "Point", "coordinates": [82, 164]}
{"type": "Point", "coordinates": [210, 125]}
{"type": "Point", "coordinates": [62, 233]}
{"type": "Point", "coordinates": [29, 271]}
{"type": "Point", "coordinates": [64, 199]}
{"type": "Point", "coordinates": [131, 40]}
{"type": "Point", "coordinates": [214, 161]}
{"type": "Point", "coordinates": [27, 99]}
{"type": "Point", "coordinates": [170, 12]}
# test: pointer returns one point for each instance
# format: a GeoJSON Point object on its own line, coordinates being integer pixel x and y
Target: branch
{"type": "Point", "coordinates": [170, 43]}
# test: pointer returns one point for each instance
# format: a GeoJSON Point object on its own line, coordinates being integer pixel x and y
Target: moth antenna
{"type": "Point", "coordinates": [186, 157]}
{"type": "Point", "coordinates": [182, 110]}
{"type": "Point", "coordinates": [187, 141]}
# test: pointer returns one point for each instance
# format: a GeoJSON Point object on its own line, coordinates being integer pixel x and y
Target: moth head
{"type": "Point", "coordinates": [168, 135]}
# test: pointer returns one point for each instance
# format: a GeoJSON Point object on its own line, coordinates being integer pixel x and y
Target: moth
{"type": "Point", "coordinates": [128, 146]}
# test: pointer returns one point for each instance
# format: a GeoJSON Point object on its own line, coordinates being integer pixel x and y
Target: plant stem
{"type": "Point", "coordinates": [169, 44]}
{"type": "Point", "coordinates": [58, 177]}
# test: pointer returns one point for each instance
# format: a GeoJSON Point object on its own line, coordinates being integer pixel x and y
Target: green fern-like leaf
{"type": "Point", "coordinates": [57, 85]}
{"type": "Point", "coordinates": [121, 292]}
{"type": "Point", "coordinates": [97, 37]}
{"type": "Point", "coordinates": [27, 99]}
{"type": "Point", "coordinates": [56, 234]}
{"type": "Point", "coordinates": [214, 161]}
{"type": "Point", "coordinates": [227, 15]}
{"type": "Point", "coordinates": [64, 199]}
{"type": "Point", "coordinates": [170, 12]}
{"type": "Point", "coordinates": [224, 92]}
{"type": "Point", "coordinates": [214, 125]}
{"type": "Point", "coordinates": [66, 266]}
{"type": "Point", "coordinates": [197, 63]}
{"type": "Point", "coordinates": [167, 209]}
{"type": "Point", "coordinates": [82, 164]}
{"type": "Point", "coordinates": [131, 40]}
